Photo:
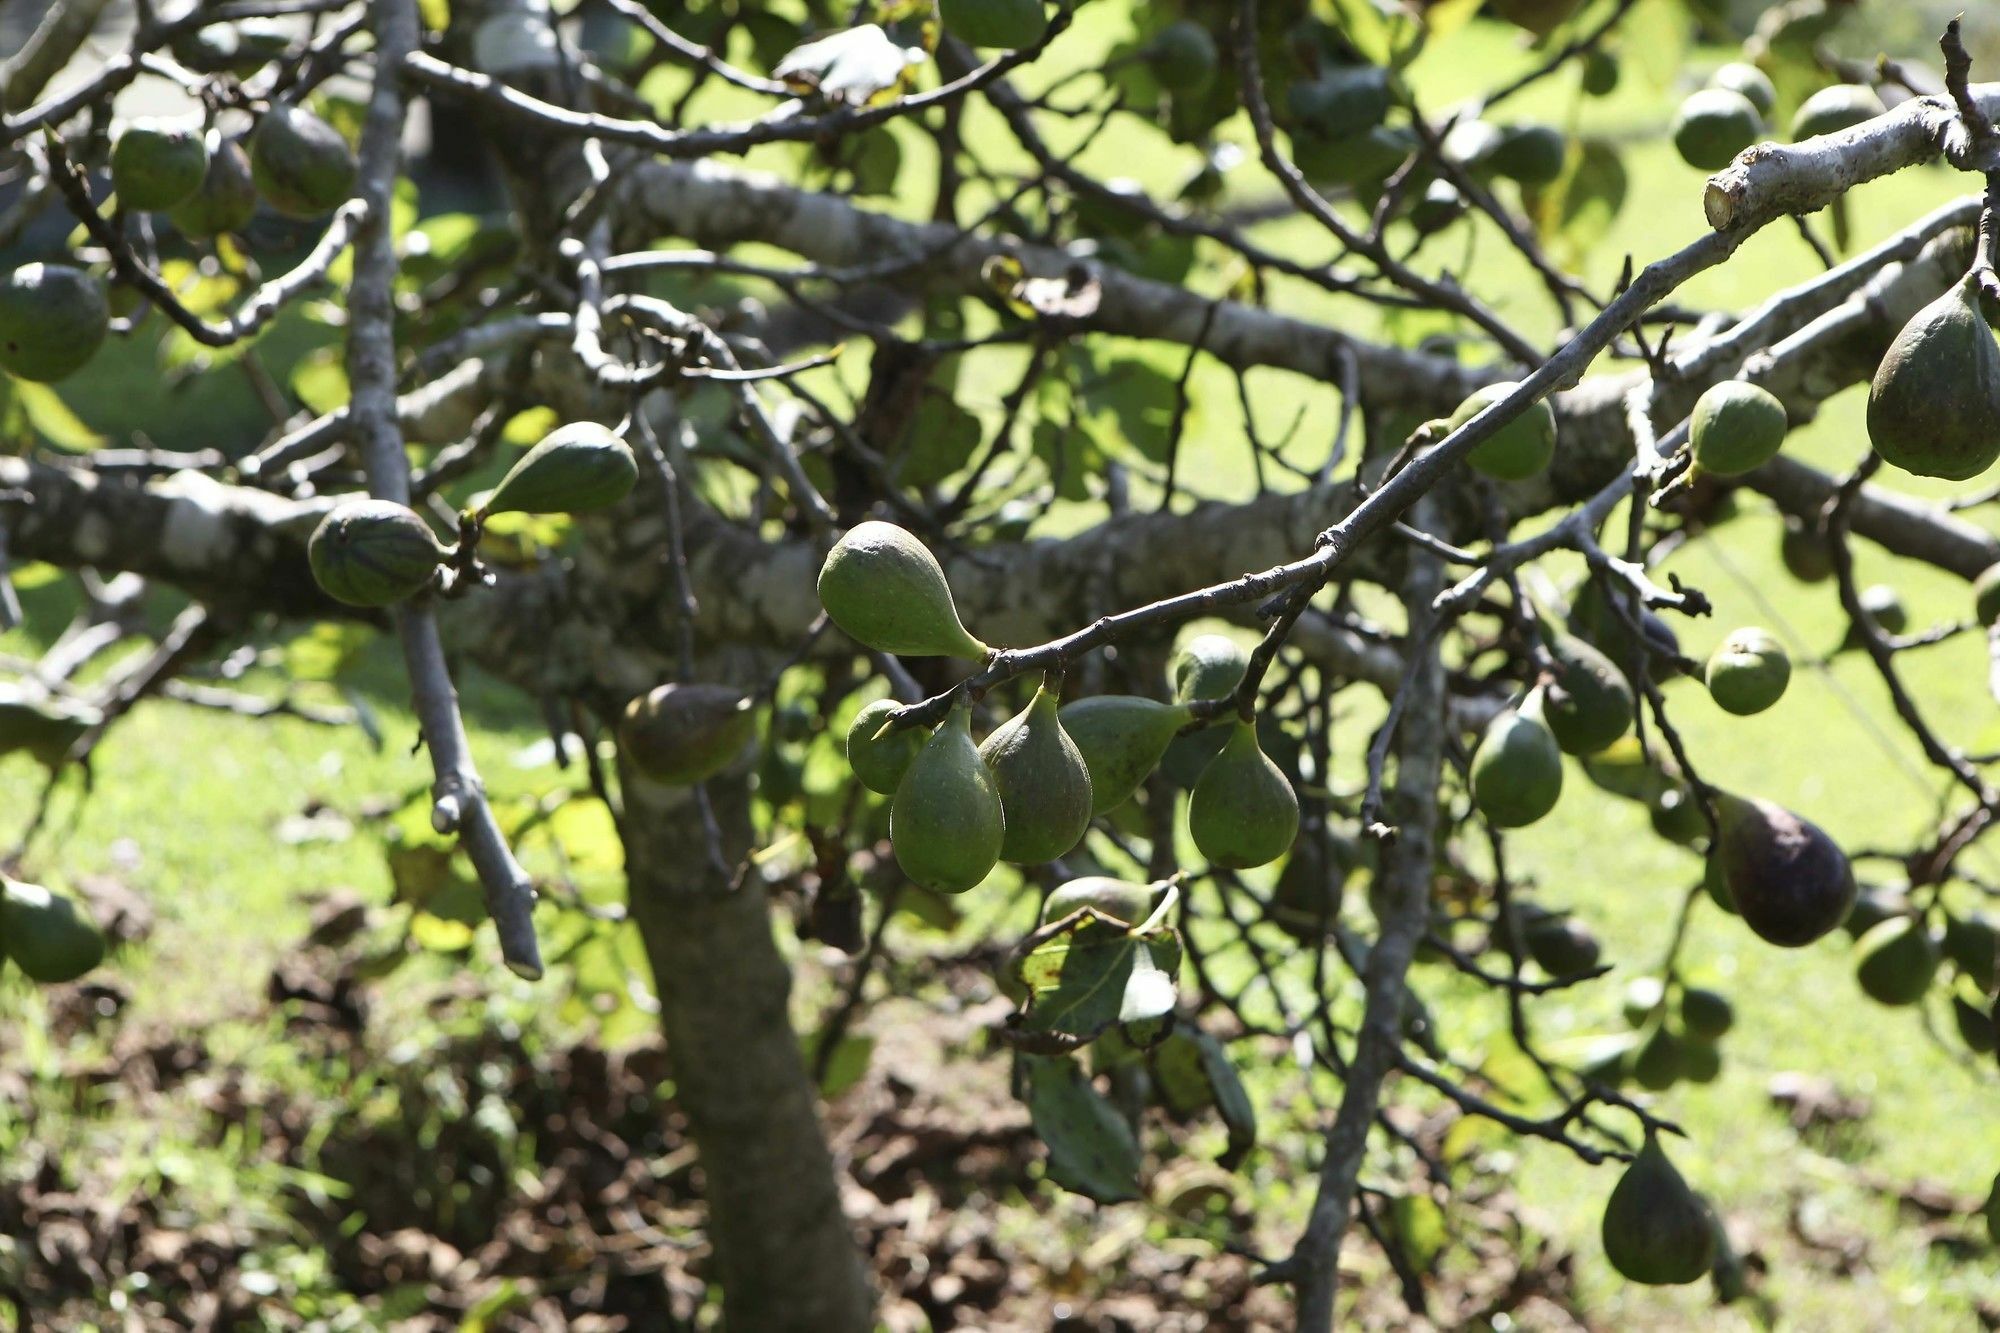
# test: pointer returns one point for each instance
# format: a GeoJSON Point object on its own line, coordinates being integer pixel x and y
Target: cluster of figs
{"type": "Point", "coordinates": [54, 316]}
{"type": "Point", "coordinates": [1731, 112]}
{"type": "Point", "coordinates": [1028, 791]}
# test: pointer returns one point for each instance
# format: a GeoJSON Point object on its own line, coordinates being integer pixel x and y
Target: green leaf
{"type": "Point", "coordinates": [320, 380]}
{"type": "Point", "coordinates": [1092, 1151]}
{"type": "Point", "coordinates": [1193, 1072]}
{"type": "Point", "coordinates": [848, 1064]}
{"type": "Point", "coordinates": [942, 439]}
{"type": "Point", "coordinates": [1132, 404]}
{"type": "Point", "coordinates": [52, 419]}
{"type": "Point", "coordinates": [1079, 972]}
{"type": "Point", "coordinates": [1419, 1227]}
{"type": "Point", "coordinates": [1579, 208]}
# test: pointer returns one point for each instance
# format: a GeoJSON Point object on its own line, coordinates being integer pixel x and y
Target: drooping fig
{"type": "Point", "coordinates": [1043, 782]}
{"type": "Point", "coordinates": [1807, 554]}
{"type": "Point", "coordinates": [1589, 704]}
{"type": "Point", "coordinates": [1182, 56]}
{"type": "Point", "coordinates": [1122, 738]}
{"type": "Point", "coordinates": [1741, 77]}
{"type": "Point", "coordinates": [1008, 24]}
{"type": "Point", "coordinates": [299, 163]}
{"type": "Point", "coordinates": [1676, 815]}
{"type": "Point", "coordinates": [680, 734]}
{"type": "Point", "coordinates": [156, 164]}
{"type": "Point", "coordinates": [1655, 1229]}
{"type": "Point", "coordinates": [1706, 1014]}
{"type": "Point", "coordinates": [49, 938]}
{"type": "Point", "coordinates": [1840, 107]}
{"type": "Point", "coordinates": [1345, 100]}
{"type": "Point", "coordinates": [1517, 770]}
{"type": "Point", "coordinates": [1119, 899]}
{"type": "Point", "coordinates": [1243, 811]}
{"type": "Point", "coordinates": [1713, 126]}
{"type": "Point", "coordinates": [1973, 944]}
{"type": "Point", "coordinates": [373, 553]}
{"type": "Point", "coordinates": [1790, 882]}
{"type": "Point", "coordinates": [881, 762]}
{"type": "Point", "coordinates": [1975, 1025]}
{"type": "Point", "coordinates": [1562, 945]}
{"type": "Point", "coordinates": [576, 468]}
{"type": "Point", "coordinates": [227, 199]}
{"type": "Point", "coordinates": [1701, 1061]}
{"type": "Point", "coordinates": [53, 318]}
{"type": "Point", "coordinates": [1748, 672]}
{"type": "Point", "coordinates": [1529, 154]}
{"type": "Point", "coordinates": [1659, 1059]}
{"type": "Point", "coordinates": [1896, 961]}
{"type": "Point", "coordinates": [1986, 595]}
{"type": "Point", "coordinates": [886, 590]}
{"type": "Point", "coordinates": [1735, 428]}
{"type": "Point", "coordinates": [946, 822]}
{"type": "Point", "coordinates": [1519, 449]}
{"type": "Point", "coordinates": [1207, 666]}
{"type": "Point", "coordinates": [1934, 407]}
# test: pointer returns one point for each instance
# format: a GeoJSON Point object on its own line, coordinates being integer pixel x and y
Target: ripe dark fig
{"type": "Point", "coordinates": [1806, 552]}
{"type": "Point", "coordinates": [1043, 782]}
{"type": "Point", "coordinates": [1122, 738]}
{"type": "Point", "coordinates": [880, 762]}
{"type": "Point", "coordinates": [1713, 126]}
{"type": "Point", "coordinates": [1589, 705]}
{"type": "Point", "coordinates": [1119, 899]}
{"type": "Point", "coordinates": [299, 163]}
{"type": "Point", "coordinates": [886, 590]}
{"type": "Point", "coordinates": [576, 468]}
{"type": "Point", "coordinates": [1007, 24]}
{"type": "Point", "coordinates": [1748, 672]}
{"type": "Point", "coordinates": [53, 318]}
{"type": "Point", "coordinates": [1840, 107]}
{"type": "Point", "coordinates": [227, 199]}
{"type": "Point", "coordinates": [681, 734]}
{"type": "Point", "coordinates": [1986, 595]}
{"type": "Point", "coordinates": [1561, 945]}
{"type": "Point", "coordinates": [1655, 1229]}
{"type": "Point", "coordinates": [1519, 449]}
{"type": "Point", "coordinates": [1973, 945]}
{"type": "Point", "coordinates": [1741, 77]}
{"type": "Point", "coordinates": [1896, 961]}
{"type": "Point", "coordinates": [1517, 770]}
{"type": "Point", "coordinates": [1789, 881]}
{"type": "Point", "coordinates": [1243, 812]}
{"type": "Point", "coordinates": [1182, 56]}
{"type": "Point", "coordinates": [1208, 666]}
{"type": "Point", "coordinates": [49, 938]}
{"type": "Point", "coordinates": [1934, 408]}
{"type": "Point", "coordinates": [946, 822]}
{"type": "Point", "coordinates": [156, 164]}
{"type": "Point", "coordinates": [373, 553]}
{"type": "Point", "coordinates": [1736, 427]}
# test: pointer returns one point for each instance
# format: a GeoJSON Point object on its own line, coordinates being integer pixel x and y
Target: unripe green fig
{"type": "Point", "coordinates": [373, 553]}
{"type": "Point", "coordinates": [1437, 207]}
{"type": "Point", "coordinates": [1659, 1060]}
{"type": "Point", "coordinates": [44, 727]}
{"type": "Point", "coordinates": [1713, 126]}
{"type": "Point", "coordinates": [1840, 107]}
{"type": "Point", "coordinates": [1975, 1026]}
{"type": "Point", "coordinates": [1043, 782]}
{"type": "Point", "coordinates": [1540, 17]}
{"type": "Point", "coordinates": [1183, 56]}
{"type": "Point", "coordinates": [236, 48]}
{"type": "Point", "coordinates": [1517, 769]}
{"type": "Point", "coordinates": [1676, 816]}
{"type": "Point", "coordinates": [1645, 999]}
{"type": "Point", "coordinates": [1934, 406]}
{"type": "Point", "coordinates": [1519, 449]}
{"type": "Point", "coordinates": [1119, 899]}
{"type": "Point", "coordinates": [1600, 73]}
{"type": "Point", "coordinates": [45, 933]}
{"type": "Point", "coordinates": [1755, 86]}
{"type": "Point", "coordinates": [1594, 619]}
{"type": "Point", "coordinates": [1122, 738]}
{"type": "Point", "coordinates": [1748, 672]}
{"type": "Point", "coordinates": [1806, 551]}
{"type": "Point", "coordinates": [1588, 705]}
{"type": "Point", "coordinates": [1973, 945]}
{"type": "Point", "coordinates": [1346, 100]}
{"type": "Point", "coordinates": [1896, 961]}
{"type": "Point", "coordinates": [1736, 427]}
{"type": "Point", "coordinates": [1701, 1061]}
{"type": "Point", "coordinates": [1625, 769]}
{"type": "Point", "coordinates": [576, 468]}
{"type": "Point", "coordinates": [946, 823]}
{"type": "Point", "coordinates": [1243, 812]}
{"type": "Point", "coordinates": [1655, 1229]}
{"type": "Point", "coordinates": [1008, 24]}
{"type": "Point", "coordinates": [1529, 154]}
{"type": "Point", "coordinates": [1986, 595]}
{"type": "Point", "coordinates": [680, 734]}
{"type": "Point", "coordinates": [886, 590]}
{"type": "Point", "coordinates": [1706, 1014]}
{"type": "Point", "coordinates": [1790, 882]}
{"type": "Point", "coordinates": [156, 164]}
{"type": "Point", "coordinates": [227, 199]}
{"type": "Point", "coordinates": [1561, 945]}
{"type": "Point", "coordinates": [1882, 606]}
{"type": "Point", "coordinates": [53, 318]}
{"type": "Point", "coordinates": [880, 762]}
{"type": "Point", "coordinates": [1208, 666]}
{"type": "Point", "coordinates": [300, 164]}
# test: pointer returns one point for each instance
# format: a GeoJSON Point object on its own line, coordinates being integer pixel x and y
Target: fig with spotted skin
{"type": "Point", "coordinates": [373, 553]}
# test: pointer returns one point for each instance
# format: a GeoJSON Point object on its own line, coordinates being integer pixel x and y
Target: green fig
{"type": "Point", "coordinates": [1677, 816]}
{"type": "Point", "coordinates": [1517, 770]}
{"type": "Point", "coordinates": [1529, 154]}
{"type": "Point", "coordinates": [886, 590]}
{"type": "Point", "coordinates": [1561, 945]}
{"type": "Point", "coordinates": [1182, 56]}
{"type": "Point", "coordinates": [1741, 77]}
{"type": "Point", "coordinates": [1346, 100]}
{"type": "Point", "coordinates": [680, 734]}
{"type": "Point", "coordinates": [299, 163]}
{"type": "Point", "coordinates": [1243, 811]}
{"type": "Point", "coordinates": [575, 469]}
{"type": "Point", "coordinates": [946, 822]}
{"type": "Point", "coordinates": [227, 199]}
{"type": "Point", "coordinates": [1986, 595]}
{"type": "Point", "coordinates": [1975, 1026]}
{"type": "Point", "coordinates": [45, 933]}
{"type": "Point", "coordinates": [1659, 1060]}
{"type": "Point", "coordinates": [1840, 107]}
{"type": "Point", "coordinates": [1973, 945]}
{"type": "Point", "coordinates": [1896, 961]}
{"type": "Point", "coordinates": [1436, 208]}
{"type": "Point", "coordinates": [1595, 620]}
{"type": "Point", "coordinates": [1713, 126]}
{"type": "Point", "coordinates": [1007, 24]}
{"type": "Point", "coordinates": [1043, 782]}
{"type": "Point", "coordinates": [1706, 1014]}
{"type": "Point", "coordinates": [881, 761]}
{"type": "Point", "coordinates": [1701, 1061]}
{"type": "Point", "coordinates": [373, 553]}
{"type": "Point", "coordinates": [45, 727]}
{"type": "Point", "coordinates": [156, 164]}
{"type": "Point", "coordinates": [1748, 672]}
{"type": "Point", "coordinates": [1624, 768]}
{"type": "Point", "coordinates": [1600, 73]}
{"type": "Point", "coordinates": [1934, 407]}
{"type": "Point", "coordinates": [1588, 705]}
{"type": "Point", "coordinates": [1208, 666]}
{"type": "Point", "coordinates": [1881, 606]}
{"type": "Point", "coordinates": [1992, 1212]}
{"type": "Point", "coordinates": [1645, 999]}
{"type": "Point", "coordinates": [1807, 553]}
{"type": "Point", "coordinates": [1119, 899]}
{"type": "Point", "coordinates": [1655, 1229]}
{"type": "Point", "coordinates": [1736, 428]}
{"type": "Point", "coordinates": [1519, 449]}
{"type": "Point", "coordinates": [53, 318]}
{"type": "Point", "coordinates": [1789, 881]}
{"type": "Point", "coordinates": [1122, 738]}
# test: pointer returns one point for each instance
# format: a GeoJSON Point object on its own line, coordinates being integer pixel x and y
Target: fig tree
{"type": "Point", "coordinates": [574, 469]}
{"type": "Point", "coordinates": [1736, 427]}
{"type": "Point", "coordinates": [1519, 449]}
{"type": "Point", "coordinates": [1934, 406]}
{"type": "Point", "coordinates": [1122, 738]}
{"type": "Point", "coordinates": [300, 164]}
{"type": "Point", "coordinates": [680, 734]}
{"type": "Point", "coordinates": [946, 823]}
{"type": "Point", "coordinates": [156, 164]}
{"type": "Point", "coordinates": [373, 553]}
{"type": "Point", "coordinates": [886, 590]}
{"type": "Point", "coordinates": [880, 762]}
{"type": "Point", "coordinates": [1896, 961]}
{"type": "Point", "coordinates": [53, 318]}
{"type": "Point", "coordinates": [1748, 672]}
{"type": "Point", "coordinates": [1655, 1229]}
{"type": "Point", "coordinates": [49, 938]}
{"type": "Point", "coordinates": [1044, 784]}
{"type": "Point", "coordinates": [1517, 769]}
{"type": "Point", "coordinates": [1790, 882]}
{"type": "Point", "coordinates": [1713, 126]}
{"type": "Point", "coordinates": [1243, 811]}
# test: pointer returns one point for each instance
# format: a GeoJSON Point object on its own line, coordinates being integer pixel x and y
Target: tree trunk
{"type": "Point", "coordinates": [784, 1254]}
